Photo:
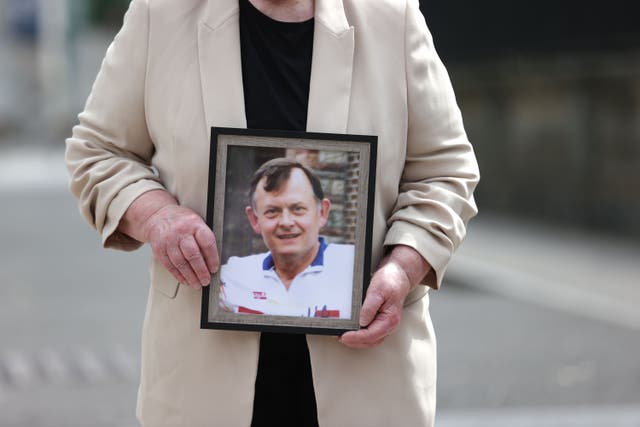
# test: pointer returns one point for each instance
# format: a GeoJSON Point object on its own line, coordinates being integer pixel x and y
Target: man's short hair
{"type": "Point", "coordinates": [277, 172]}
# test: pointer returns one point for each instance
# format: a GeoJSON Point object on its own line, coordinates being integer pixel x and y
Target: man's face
{"type": "Point", "coordinates": [289, 219]}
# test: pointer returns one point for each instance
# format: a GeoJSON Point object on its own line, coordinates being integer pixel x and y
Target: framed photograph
{"type": "Point", "coordinates": [292, 214]}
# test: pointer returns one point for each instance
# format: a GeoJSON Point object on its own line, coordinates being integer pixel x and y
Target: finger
{"type": "Point", "coordinates": [162, 257]}
{"type": "Point", "coordinates": [207, 243]}
{"type": "Point", "coordinates": [352, 340]}
{"type": "Point", "coordinates": [182, 265]}
{"type": "Point", "coordinates": [191, 252]}
{"type": "Point", "coordinates": [372, 304]}
{"type": "Point", "coordinates": [378, 329]}
{"type": "Point", "coordinates": [382, 326]}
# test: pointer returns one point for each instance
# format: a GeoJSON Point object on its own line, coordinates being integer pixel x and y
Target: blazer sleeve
{"type": "Point", "coordinates": [109, 153]}
{"type": "Point", "coordinates": [435, 201]}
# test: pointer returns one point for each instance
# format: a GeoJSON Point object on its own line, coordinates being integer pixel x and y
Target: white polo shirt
{"type": "Point", "coordinates": [324, 289]}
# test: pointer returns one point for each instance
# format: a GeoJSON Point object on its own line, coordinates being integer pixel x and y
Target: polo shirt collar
{"type": "Point", "coordinates": [318, 261]}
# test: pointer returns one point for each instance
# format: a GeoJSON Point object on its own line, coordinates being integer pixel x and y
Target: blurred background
{"type": "Point", "coordinates": [538, 320]}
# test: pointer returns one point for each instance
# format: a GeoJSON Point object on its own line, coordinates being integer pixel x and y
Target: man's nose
{"type": "Point", "coordinates": [286, 219]}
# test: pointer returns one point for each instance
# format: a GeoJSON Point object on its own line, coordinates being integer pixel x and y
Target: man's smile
{"type": "Point", "coordinates": [288, 236]}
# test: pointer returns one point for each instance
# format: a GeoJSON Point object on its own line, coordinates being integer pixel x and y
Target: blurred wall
{"type": "Point", "coordinates": [42, 69]}
{"type": "Point", "coordinates": [550, 94]}
{"type": "Point", "coordinates": [557, 138]}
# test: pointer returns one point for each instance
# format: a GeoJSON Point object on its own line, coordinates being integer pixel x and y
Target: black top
{"type": "Point", "coordinates": [276, 70]}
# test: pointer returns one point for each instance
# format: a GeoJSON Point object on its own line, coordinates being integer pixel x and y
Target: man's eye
{"type": "Point", "coordinates": [270, 213]}
{"type": "Point", "coordinates": [299, 209]}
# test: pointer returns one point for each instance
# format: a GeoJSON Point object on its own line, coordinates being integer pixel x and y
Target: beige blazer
{"type": "Point", "coordinates": [174, 71]}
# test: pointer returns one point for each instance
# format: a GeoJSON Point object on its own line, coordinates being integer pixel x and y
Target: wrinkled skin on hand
{"type": "Point", "coordinates": [184, 244]}
{"type": "Point", "coordinates": [178, 236]}
{"type": "Point", "coordinates": [381, 313]}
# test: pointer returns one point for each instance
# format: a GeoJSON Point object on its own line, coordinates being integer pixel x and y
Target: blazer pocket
{"type": "Point", "coordinates": [162, 281]}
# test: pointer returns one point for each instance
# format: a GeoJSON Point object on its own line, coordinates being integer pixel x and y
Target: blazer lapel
{"type": "Point", "coordinates": [331, 69]}
{"type": "Point", "coordinates": [221, 65]}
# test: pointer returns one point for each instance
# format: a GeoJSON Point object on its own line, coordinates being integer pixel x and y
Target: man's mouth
{"type": "Point", "coordinates": [288, 236]}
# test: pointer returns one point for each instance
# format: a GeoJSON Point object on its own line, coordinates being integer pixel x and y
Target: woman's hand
{"type": "Point", "coordinates": [381, 313]}
{"type": "Point", "coordinates": [179, 238]}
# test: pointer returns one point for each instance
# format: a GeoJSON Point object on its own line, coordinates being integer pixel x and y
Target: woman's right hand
{"type": "Point", "coordinates": [179, 238]}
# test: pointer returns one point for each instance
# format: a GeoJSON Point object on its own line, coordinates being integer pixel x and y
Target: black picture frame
{"type": "Point", "coordinates": [346, 168]}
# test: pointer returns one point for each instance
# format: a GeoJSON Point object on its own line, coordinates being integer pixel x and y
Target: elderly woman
{"type": "Point", "coordinates": [138, 163]}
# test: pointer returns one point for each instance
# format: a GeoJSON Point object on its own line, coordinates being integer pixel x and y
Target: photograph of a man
{"type": "Point", "coordinates": [302, 274]}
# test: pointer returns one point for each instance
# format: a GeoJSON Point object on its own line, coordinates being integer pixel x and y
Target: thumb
{"type": "Point", "coordinates": [370, 308]}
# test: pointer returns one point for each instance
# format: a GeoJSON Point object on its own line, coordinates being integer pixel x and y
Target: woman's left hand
{"type": "Point", "coordinates": [381, 311]}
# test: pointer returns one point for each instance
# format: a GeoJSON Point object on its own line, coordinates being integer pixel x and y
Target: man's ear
{"type": "Point", "coordinates": [253, 219]}
{"type": "Point", "coordinates": [325, 207]}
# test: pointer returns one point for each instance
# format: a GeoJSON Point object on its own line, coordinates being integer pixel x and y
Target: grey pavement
{"type": "Point", "coordinates": [500, 357]}
{"type": "Point", "coordinates": [539, 325]}
{"type": "Point", "coordinates": [613, 416]}
{"type": "Point", "coordinates": [581, 272]}
{"type": "Point", "coordinates": [70, 312]}
{"type": "Point", "coordinates": [558, 343]}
